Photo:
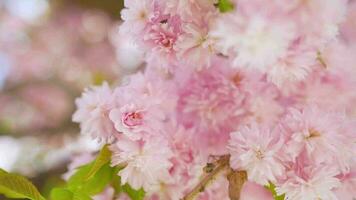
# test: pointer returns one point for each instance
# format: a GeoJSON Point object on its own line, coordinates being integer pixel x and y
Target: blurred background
{"type": "Point", "coordinates": [50, 50]}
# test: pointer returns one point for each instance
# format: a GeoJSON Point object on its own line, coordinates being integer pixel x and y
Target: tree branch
{"type": "Point", "coordinates": [212, 170]}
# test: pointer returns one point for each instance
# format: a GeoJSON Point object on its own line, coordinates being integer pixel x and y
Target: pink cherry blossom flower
{"type": "Point", "coordinates": [321, 134]}
{"type": "Point", "coordinates": [310, 183]}
{"type": "Point", "coordinates": [212, 100]}
{"type": "Point", "coordinates": [195, 45]}
{"type": "Point", "coordinates": [263, 105]}
{"type": "Point", "coordinates": [142, 107]}
{"type": "Point", "coordinates": [256, 150]}
{"type": "Point", "coordinates": [190, 9]}
{"type": "Point", "coordinates": [136, 15]}
{"type": "Point", "coordinates": [93, 113]}
{"type": "Point", "coordinates": [135, 119]}
{"type": "Point", "coordinates": [180, 7]}
{"type": "Point", "coordinates": [162, 36]}
{"type": "Point", "coordinates": [252, 41]}
{"type": "Point", "coordinates": [295, 66]}
{"type": "Point", "coordinates": [325, 15]}
{"type": "Point", "coordinates": [147, 163]}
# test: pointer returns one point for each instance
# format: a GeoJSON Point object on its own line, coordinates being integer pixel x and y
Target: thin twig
{"type": "Point", "coordinates": [214, 170]}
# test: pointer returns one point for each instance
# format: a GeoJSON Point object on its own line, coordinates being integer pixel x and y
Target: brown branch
{"type": "Point", "coordinates": [212, 170]}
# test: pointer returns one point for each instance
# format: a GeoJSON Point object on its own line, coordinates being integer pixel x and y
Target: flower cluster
{"type": "Point", "coordinates": [266, 84]}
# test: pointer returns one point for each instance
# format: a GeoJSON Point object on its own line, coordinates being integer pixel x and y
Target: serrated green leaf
{"type": "Point", "coordinates": [16, 186]}
{"type": "Point", "coordinates": [133, 194]}
{"type": "Point", "coordinates": [102, 159]}
{"type": "Point", "coordinates": [225, 6]}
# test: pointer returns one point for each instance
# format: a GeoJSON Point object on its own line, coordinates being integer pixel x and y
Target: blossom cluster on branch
{"type": "Point", "coordinates": [270, 84]}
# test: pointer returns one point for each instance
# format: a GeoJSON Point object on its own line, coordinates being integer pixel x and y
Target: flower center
{"type": "Point", "coordinates": [163, 36]}
{"type": "Point", "coordinates": [133, 119]}
{"type": "Point", "coordinates": [313, 133]}
{"type": "Point", "coordinates": [143, 15]}
{"type": "Point", "coordinates": [165, 41]}
{"type": "Point", "coordinates": [259, 154]}
{"type": "Point", "coordinates": [237, 79]}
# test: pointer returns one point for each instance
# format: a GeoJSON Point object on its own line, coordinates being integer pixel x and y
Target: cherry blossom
{"type": "Point", "coordinates": [93, 113]}
{"type": "Point", "coordinates": [269, 87]}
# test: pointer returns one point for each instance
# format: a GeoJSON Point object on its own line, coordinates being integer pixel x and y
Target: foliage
{"type": "Point", "coordinates": [15, 186]}
{"type": "Point", "coordinates": [133, 194]}
{"type": "Point", "coordinates": [225, 6]}
{"type": "Point", "coordinates": [271, 187]}
{"type": "Point", "coordinates": [88, 180]}
{"type": "Point", "coordinates": [92, 179]}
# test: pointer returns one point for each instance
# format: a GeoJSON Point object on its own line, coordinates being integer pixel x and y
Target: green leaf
{"type": "Point", "coordinates": [133, 194]}
{"type": "Point", "coordinates": [82, 188]}
{"type": "Point", "coordinates": [116, 183]}
{"type": "Point", "coordinates": [52, 181]}
{"type": "Point", "coordinates": [78, 178]}
{"type": "Point", "coordinates": [65, 194]}
{"type": "Point", "coordinates": [225, 6]}
{"type": "Point", "coordinates": [61, 194]}
{"type": "Point", "coordinates": [99, 181]}
{"type": "Point", "coordinates": [282, 197]}
{"type": "Point", "coordinates": [92, 179]}
{"type": "Point", "coordinates": [94, 185]}
{"type": "Point", "coordinates": [271, 187]}
{"type": "Point", "coordinates": [2, 172]}
{"type": "Point", "coordinates": [102, 159]}
{"type": "Point", "coordinates": [81, 196]}
{"type": "Point", "coordinates": [15, 186]}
